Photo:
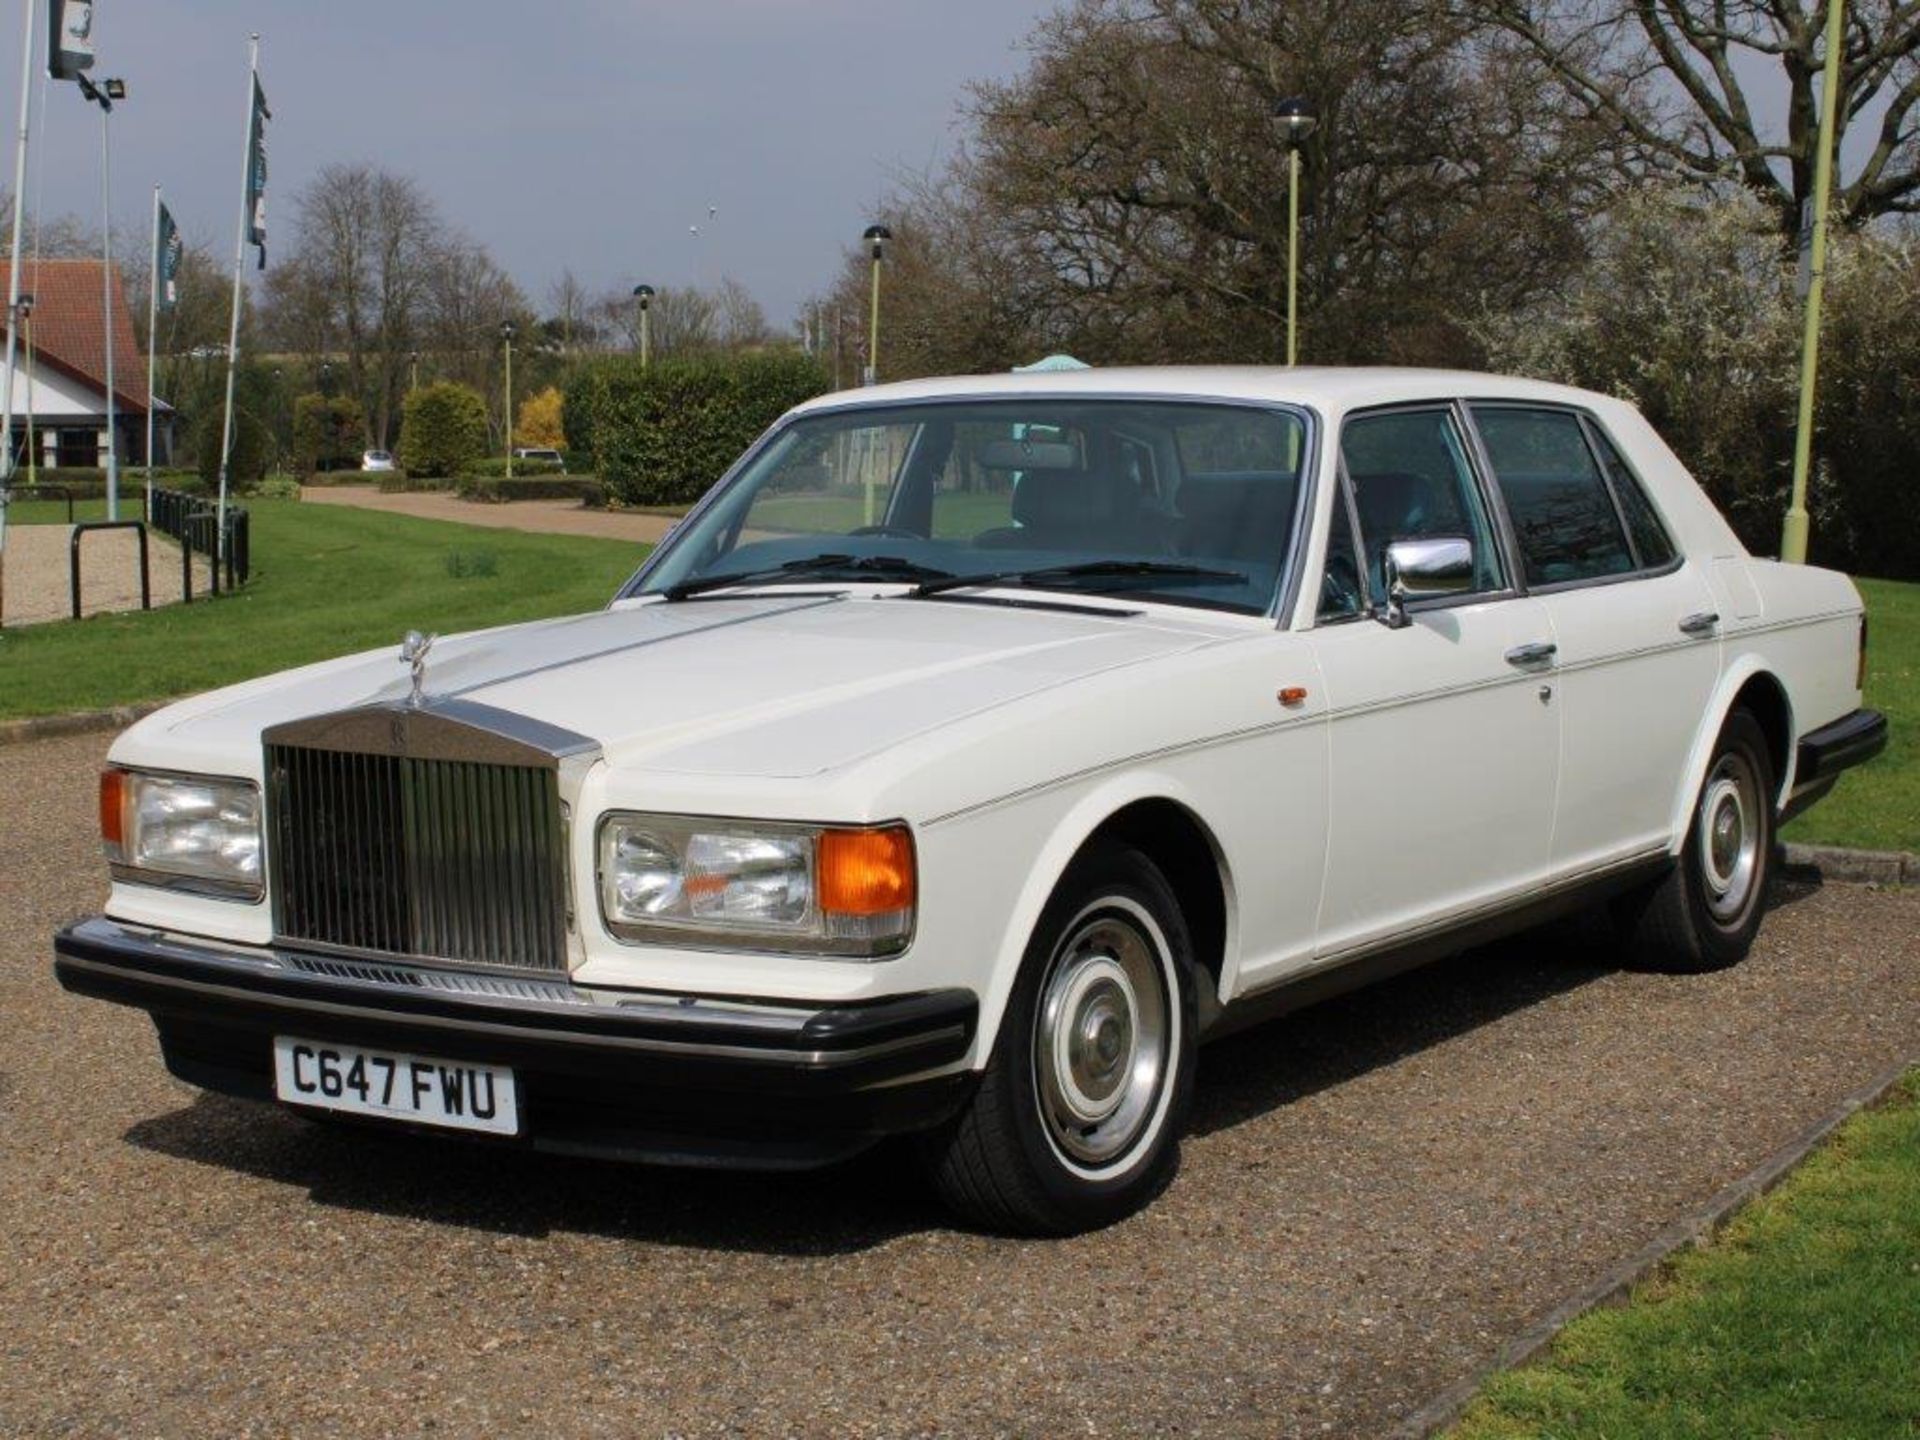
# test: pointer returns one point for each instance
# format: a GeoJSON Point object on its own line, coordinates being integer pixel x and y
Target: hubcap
{"type": "Point", "coordinates": [1101, 1040]}
{"type": "Point", "coordinates": [1730, 832]}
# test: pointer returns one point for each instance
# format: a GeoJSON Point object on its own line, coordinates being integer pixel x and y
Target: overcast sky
{"type": "Point", "coordinates": [582, 133]}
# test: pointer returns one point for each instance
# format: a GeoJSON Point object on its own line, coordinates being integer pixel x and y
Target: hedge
{"type": "Point", "coordinates": [398, 482]}
{"type": "Point", "coordinates": [88, 483]}
{"type": "Point", "coordinates": [663, 435]}
{"type": "Point", "coordinates": [494, 467]}
{"type": "Point", "coordinates": [494, 489]}
{"type": "Point", "coordinates": [445, 430]}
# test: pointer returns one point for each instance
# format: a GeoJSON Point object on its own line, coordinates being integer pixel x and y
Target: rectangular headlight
{"type": "Point", "coordinates": [757, 884]}
{"type": "Point", "coordinates": [192, 832]}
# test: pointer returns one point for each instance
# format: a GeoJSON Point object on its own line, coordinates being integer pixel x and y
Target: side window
{"type": "Point", "coordinates": [1556, 497]}
{"type": "Point", "coordinates": [1340, 592]}
{"type": "Point", "coordinates": [1411, 480]}
{"type": "Point", "coordinates": [1650, 537]}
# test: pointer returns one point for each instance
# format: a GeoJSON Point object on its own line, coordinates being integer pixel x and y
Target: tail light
{"type": "Point", "coordinates": [1860, 673]}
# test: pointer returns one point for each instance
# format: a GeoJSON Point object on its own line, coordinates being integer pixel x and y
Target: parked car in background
{"type": "Point", "coordinates": [973, 750]}
{"type": "Point", "coordinates": [377, 460]}
{"type": "Point", "coordinates": [543, 457]}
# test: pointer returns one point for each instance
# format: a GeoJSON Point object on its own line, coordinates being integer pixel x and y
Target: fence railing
{"type": "Point", "coordinates": [195, 523]}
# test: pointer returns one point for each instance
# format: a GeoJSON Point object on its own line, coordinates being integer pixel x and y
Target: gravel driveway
{"type": "Point", "coordinates": [1379, 1192]}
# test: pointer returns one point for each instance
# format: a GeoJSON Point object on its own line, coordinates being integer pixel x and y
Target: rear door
{"type": "Point", "coordinates": [1638, 641]}
{"type": "Point", "coordinates": [1443, 737]}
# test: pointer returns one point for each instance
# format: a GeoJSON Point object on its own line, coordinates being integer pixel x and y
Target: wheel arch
{"type": "Point", "coordinates": [1751, 685]}
{"type": "Point", "coordinates": [1156, 815]}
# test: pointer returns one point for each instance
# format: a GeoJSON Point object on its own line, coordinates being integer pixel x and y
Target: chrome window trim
{"type": "Point", "coordinates": [1281, 605]}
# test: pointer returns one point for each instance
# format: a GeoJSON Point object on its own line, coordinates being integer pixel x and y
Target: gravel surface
{"type": "Point", "coordinates": [1378, 1192]}
{"type": "Point", "coordinates": [38, 574]}
{"type": "Point", "coordinates": [552, 517]}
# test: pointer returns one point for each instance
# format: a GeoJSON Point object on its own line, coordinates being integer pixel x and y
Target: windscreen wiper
{"type": "Point", "coordinates": [813, 567]}
{"type": "Point", "coordinates": [1052, 577]}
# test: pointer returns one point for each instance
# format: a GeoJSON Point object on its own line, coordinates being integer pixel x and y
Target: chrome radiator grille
{"type": "Point", "coordinates": [443, 859]}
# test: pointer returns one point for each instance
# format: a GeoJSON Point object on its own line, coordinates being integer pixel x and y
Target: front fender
{"type": "Point", "coordinates": [1069, 823]}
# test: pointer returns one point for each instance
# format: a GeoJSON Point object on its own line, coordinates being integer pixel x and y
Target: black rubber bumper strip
{"type": "Point", "coordinates": [1851, 740]}
{"type": "Point", "coordinates": [713, 1039]}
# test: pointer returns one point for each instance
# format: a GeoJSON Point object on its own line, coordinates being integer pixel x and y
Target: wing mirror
{"type": "Point", "coordinates": [1422, 570]}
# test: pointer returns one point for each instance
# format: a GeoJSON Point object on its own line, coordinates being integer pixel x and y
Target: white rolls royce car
{"type": "Point", "coordinates": [974, 750]}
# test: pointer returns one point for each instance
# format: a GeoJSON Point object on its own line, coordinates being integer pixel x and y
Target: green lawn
{"type": "Point", "coordinates": [1878, 807]}
{"type": "Point", "coordinates": [327, 580]}
{"type": "Point", "coordinates": [1803, 1320]}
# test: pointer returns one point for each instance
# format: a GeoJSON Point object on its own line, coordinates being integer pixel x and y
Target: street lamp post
{"type": "Point", "coordinates": [25, 311]}
{"type": "Point", "coordinates": [104, 95]}
{"type": "Point", "coordinates": [1793, 531]}
{"type": "Point", "coordinates": [643, 296]}
{"type": "Point", "coordinates": [413, 371]}
{"type": "Point", "coordinates": [876, 237]}
{"type": "Point", "coordinates": [1297, 122]}
{"type": "Point", "coordinates": [506, 337]}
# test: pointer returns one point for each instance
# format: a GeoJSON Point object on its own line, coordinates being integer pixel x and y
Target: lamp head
{"type": "Point", "coordinates": [116, 89]}
{"type": "Point", "coordinates": [506, 331]}
{"type": "Point", "coordinates": [876, 237]}
{"type": "Point", "coordinates": [26, 305]}
{"type": "Point", "coordinates": [644, 294]}
{"type": "Point", "coordinates": [1296, 119]}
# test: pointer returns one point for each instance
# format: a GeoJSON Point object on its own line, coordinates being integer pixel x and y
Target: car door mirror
{"type": "Point", "coordinates": [1423, 570]}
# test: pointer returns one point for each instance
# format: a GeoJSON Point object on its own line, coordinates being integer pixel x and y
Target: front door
{"type": "Point", "coordinates": [1443, 735]}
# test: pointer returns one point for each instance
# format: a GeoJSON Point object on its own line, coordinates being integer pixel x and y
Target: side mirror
{"type": "Point", "coordinates": [1424, 569]}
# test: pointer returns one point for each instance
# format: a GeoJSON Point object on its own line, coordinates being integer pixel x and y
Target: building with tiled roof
{"type": "Point", "coordinates": [60, 376]}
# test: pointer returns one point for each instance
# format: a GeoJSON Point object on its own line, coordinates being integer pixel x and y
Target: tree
{"type": "Point", "coordinates": [1126, 196]}
{"type": "Point", "coordinates": [570, 313]}
{"type": "Point", "coordinates": [538, 421]}
{"type": "Point", "coordinates": [1689, 82]}
{"type": "Point", "coordinates": [326, 432]}
{"type": "Point", "coordinates": [445, 430]}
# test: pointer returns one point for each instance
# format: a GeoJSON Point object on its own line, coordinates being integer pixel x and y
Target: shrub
{"type": "Point", "coordinates": [445, 430]}
{"type": "Point", "coordinates": [538, 422]}
{"type": "Point", "coordinates": [583, 488]}
{"type": "Point", "coordinates": [398, 482]}
{"type": "Point", "coordinates": [663, 435]}
{"type": "Point", "coordinates": [494, 467]}
{"type": "Point", "coordinates": [252, 448]}
{"type": "Point", "coordinates": [327, 433]}
{"type": "Point", "coordinates": [279, 487]}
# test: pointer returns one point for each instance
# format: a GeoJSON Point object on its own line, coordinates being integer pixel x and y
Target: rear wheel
{"type": "Point", "coordinates": [1076, 1121]}
{"type": "Point", "coordinates": [1706, 911]}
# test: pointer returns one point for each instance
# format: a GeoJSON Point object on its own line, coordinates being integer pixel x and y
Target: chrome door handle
{"type": "Point", "coordinates": [1537, 653]}
{"type": "Point", "coordinates": [1700, 623]}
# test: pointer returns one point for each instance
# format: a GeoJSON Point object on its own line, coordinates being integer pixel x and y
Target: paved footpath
{"type": "Point", "coordinates": [554, 517]}
{"type": "Point", "coordinates": [1379, 1192]}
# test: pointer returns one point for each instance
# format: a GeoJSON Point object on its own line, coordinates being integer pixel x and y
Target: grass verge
{"type": "Point", "coordinates": [327, 580]}
{"type": "Point", "coordinates": [1799, 1321]}
{"type": "Point", "coordinates": [1877, 807]}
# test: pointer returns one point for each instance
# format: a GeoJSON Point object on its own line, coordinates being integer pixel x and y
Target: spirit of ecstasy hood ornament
{"type": "Point", "coordinates": [413, 652]}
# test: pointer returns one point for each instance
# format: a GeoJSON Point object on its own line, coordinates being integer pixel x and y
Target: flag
{"type": "Point", "coordinates": [167, 252]}
{"type": "Point", "coordinates": [69, 38]}
{"type": "Point", "coordinates": [257, 171]}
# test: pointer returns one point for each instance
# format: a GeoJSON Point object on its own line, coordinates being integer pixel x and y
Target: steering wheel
{"type": "Point", "coordinates": [899, 532]}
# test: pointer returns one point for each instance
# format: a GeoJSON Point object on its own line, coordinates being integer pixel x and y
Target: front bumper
{"type": "Point", "coordinates": [681, 1079]}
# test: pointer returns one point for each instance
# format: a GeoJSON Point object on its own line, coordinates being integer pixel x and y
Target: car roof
{"type": "Point", "coordinates": [1328, 387]}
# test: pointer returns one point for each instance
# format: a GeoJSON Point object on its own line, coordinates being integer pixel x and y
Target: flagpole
{"type": "Point", "coordinates": [233, 325]}
{"type": "Point", "coordinates": [106, 309]}
{"type": "Point", "coordinates": [13, 264]}
{"type": "Point", "coordinates": [153, 315]}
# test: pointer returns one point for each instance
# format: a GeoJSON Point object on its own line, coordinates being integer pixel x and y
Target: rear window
{"type": "Point", "coordinates": [1650, 537]}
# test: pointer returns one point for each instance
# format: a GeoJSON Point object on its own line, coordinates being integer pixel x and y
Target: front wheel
{"type": "Point", "coordinates": [1706, 911]}
{"type": "Point", "coordinates": [1076, 1122]}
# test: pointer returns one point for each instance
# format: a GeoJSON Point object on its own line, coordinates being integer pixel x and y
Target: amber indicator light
{"type": "Point", "coordinates": [113, 808]}
{"type": "Point", "coordinates": [866, 872]}
{"type": "Point", "coordinates": [1293, 695]}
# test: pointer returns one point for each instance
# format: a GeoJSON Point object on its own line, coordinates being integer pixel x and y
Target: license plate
{"type": "Point", "coordinates": [457, 1094]}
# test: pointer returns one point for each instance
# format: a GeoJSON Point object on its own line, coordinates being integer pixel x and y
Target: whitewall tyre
{"type": "Point", "coordinates": [1077, 1119]}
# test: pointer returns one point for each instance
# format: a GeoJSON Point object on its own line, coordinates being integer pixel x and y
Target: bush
{"type": "Point", "coordinates": [398, 482]}
{"type": "Point", "coordinates": [445, 430]}
{"type": "Point", "coordinates": [252, 448]}
{"type": "Point", "coordinates": [663, 435]}
{"type": "Point", "coordinates": [538, 424]}
{"type": "Point", "coordinates": [327, 433]}
{"type": "Point", "coordinates": [88, 483]}
{"type": "Point", "coordinates": [494, 467]}
{"type": "Point", "coordinates": [278, 487]}
{"type": "Point", "coordinates": [492, 490]}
